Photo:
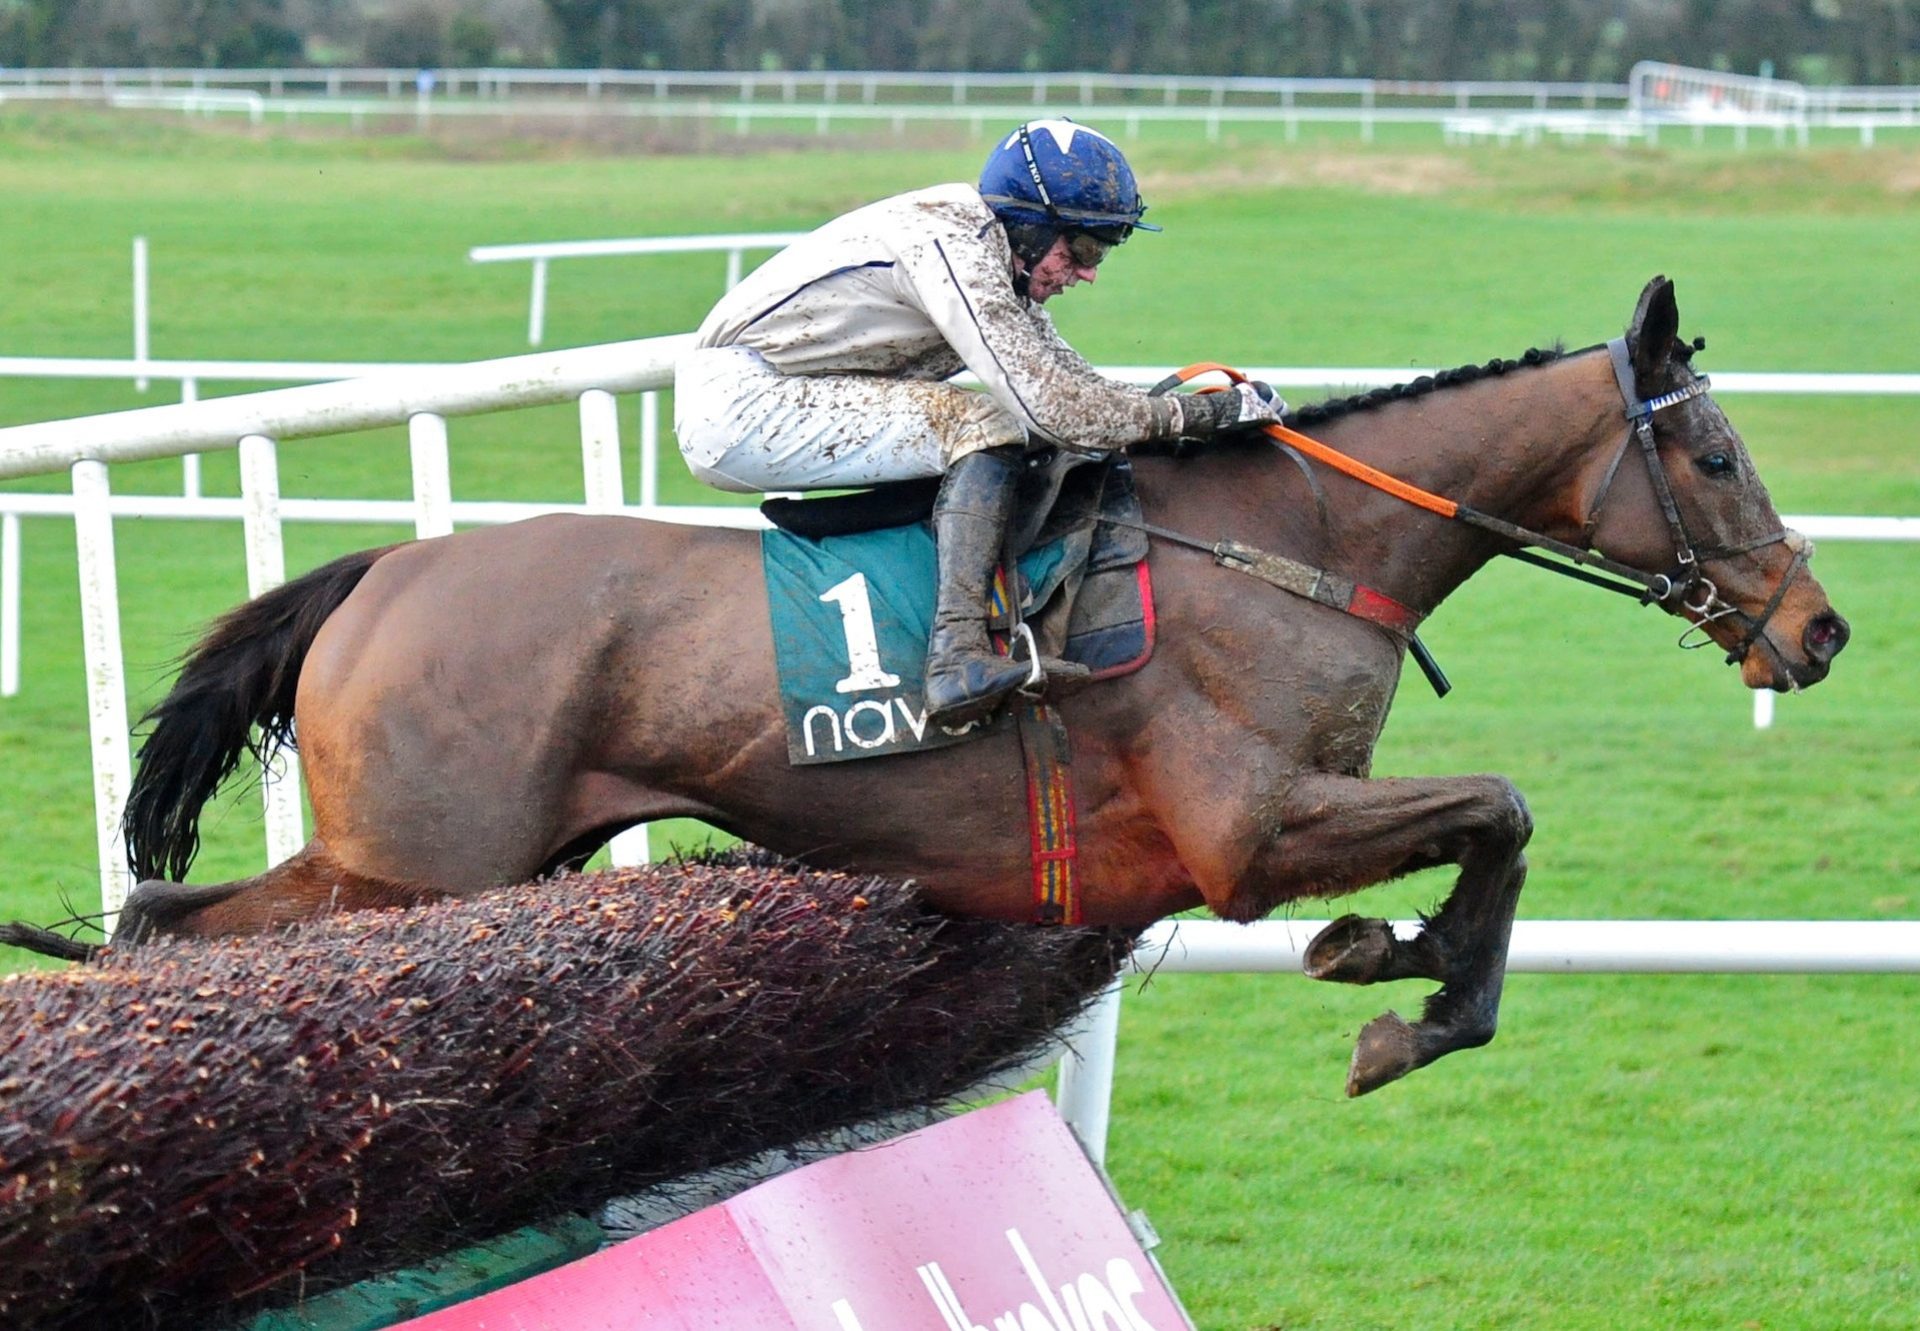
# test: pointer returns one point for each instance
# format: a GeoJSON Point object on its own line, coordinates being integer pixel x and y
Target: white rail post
{"type": "Point", "coordinates": [1084, 1093]}
{"type": "Point", "coordinates": [432, 477]}
{"type": "Point", "coordinates": [537, 304]}
{"type": "Point", "coordinates": [1763, 709]}
{"type": "Point", "coordinates": [733, 268]}
{"type": "Point", "coordinates": [141, 341]}
{"type": "Point", "coordinates": [600, 451]}
{"type": "Point", "coordinates": [649, 448]}
{"type": "Point", "coordinates": [267, 569]}
{"type": "Point", "coordinates": [106, 679]}
{"type": "Point", "coordinates": [600, 466]}
{"type": "Point", "coordinates": [190, 462]}
{"type": "Point", "coordinates": [9, 605]}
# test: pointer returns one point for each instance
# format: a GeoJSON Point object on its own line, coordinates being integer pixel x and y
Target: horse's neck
{"type": "Point", "coordinates": [1515, 446]}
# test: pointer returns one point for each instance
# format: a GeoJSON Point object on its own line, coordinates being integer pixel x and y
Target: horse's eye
{"type": "Point", "coordinates": [1715, 464]}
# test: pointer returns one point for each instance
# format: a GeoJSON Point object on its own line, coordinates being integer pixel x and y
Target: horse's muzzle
{"type": "Point", "coordinates": [1821, 639]}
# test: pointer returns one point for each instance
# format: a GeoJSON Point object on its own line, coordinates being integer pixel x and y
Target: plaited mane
{"type": "Point", "coordinates": [1334, 408]}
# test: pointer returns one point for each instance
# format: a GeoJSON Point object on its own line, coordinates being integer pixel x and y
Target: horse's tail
{"type": "Point", "coordinates": [242, 674]}
{"type": "Point", "coordinates": [46, 942]}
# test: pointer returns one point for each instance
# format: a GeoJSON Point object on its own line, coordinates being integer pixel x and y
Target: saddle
{"type": "Point", "coordinates": [893, 505]}
{"type": "Point", "coordinates": [850, 590]}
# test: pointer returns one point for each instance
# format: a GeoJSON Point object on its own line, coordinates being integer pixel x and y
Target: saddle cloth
{"type": "Point", "coordinates": [851, 614]}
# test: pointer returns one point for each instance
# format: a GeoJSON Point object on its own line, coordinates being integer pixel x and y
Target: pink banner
{"type": "Point", "coordinates": [993, 1221]}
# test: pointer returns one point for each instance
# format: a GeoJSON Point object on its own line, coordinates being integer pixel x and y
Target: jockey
{"type": "Point", "coordinates": [827, 368]}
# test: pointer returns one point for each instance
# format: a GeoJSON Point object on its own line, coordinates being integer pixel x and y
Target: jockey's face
{"type": "Point", "coordinates": [1058, 269]}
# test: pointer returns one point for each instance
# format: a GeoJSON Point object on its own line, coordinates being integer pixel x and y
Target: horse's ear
{"type": "Point", "coordinates": [1655, 328]}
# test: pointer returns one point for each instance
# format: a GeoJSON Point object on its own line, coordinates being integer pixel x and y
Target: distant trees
{"type": "Point", "coordinates": [1855, 41]}
{"type": "Point", "coordinates": [147, 32]}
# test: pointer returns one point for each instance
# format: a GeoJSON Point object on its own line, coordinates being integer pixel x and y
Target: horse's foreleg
{"type": "Point", "coordinates": [1339, 834]}
{"type": "Point", "coordinates": [1469, 935]}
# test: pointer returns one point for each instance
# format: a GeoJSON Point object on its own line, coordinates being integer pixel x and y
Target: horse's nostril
{"type": "Point", "coordinates": [1825, 635]}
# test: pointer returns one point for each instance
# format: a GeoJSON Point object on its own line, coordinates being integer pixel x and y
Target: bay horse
{"type": "Point", "coordinates": [482, 708]}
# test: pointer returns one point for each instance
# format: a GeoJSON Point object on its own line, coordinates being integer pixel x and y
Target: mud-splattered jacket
{"type": "Point", "coordinates": [919, 286]}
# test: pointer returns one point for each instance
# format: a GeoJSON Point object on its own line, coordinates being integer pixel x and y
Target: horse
{"type": "Point", "coordinates": [484, 708]}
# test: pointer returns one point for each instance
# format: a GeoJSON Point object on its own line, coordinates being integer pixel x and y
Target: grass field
{"type": "Point", "coordinates": [1632, 1152]}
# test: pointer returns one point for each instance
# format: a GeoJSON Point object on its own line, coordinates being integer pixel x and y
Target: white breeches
{"type": "Point", "coordinates": [744, 426]}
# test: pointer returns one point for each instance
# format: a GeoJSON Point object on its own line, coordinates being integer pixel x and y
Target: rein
{"type": "Point", "coordinates": [1685, 579]}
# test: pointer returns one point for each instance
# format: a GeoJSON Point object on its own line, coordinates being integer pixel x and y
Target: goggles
{"type": "Point", "coordinates": [1088, 249]}
{"type": "Point", "coordinates": [1107, 233]}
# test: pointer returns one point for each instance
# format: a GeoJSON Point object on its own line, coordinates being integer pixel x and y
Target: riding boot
{"type": "Point", "coordinates": [965, 677]}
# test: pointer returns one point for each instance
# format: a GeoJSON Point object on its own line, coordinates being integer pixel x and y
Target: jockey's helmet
{"type": "Point", "coordinates": [1051, 177]}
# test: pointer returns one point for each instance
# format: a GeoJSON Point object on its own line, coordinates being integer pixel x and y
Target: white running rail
{"type": "Point", "coordinates": [253, 423]}
{"type": "Point", "coordinates": [1541, 947]}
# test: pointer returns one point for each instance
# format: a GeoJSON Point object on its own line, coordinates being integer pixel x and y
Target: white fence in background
{"type": "Point", "coordinates": [834, 88]}
{"type": "Point", "coordinates": [1085, 89]}
{"type": "Point", "coordinates": [540, 253]}
{"type": "Point", "coordinates": [205, 103]}
{"type": "Point", "coordinates": [423, 398]}
{"type": "Point", "coordinates": [820, 100]}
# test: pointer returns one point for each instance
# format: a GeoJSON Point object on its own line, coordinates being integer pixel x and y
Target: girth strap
{"type": "Point", "coordinates": [1053, 852]}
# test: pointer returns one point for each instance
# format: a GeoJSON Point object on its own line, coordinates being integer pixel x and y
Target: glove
{"type": "Point", "coordinates": [1244, 406]}
{"type": "Point", "coordinates": [1269, 396]}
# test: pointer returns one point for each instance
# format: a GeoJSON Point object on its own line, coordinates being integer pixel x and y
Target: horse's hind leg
{"type": "Point", "coordinates": [308, 884]}
{"type": "Point", "coordinates": [1339, 834]}
{"type": "Point", "coordinates": [154, 907]}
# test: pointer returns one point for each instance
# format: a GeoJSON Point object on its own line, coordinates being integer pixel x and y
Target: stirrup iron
{"type": "Point", "coordinates": [1036, 680]}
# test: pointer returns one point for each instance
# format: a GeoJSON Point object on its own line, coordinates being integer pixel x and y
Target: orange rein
{"type": "Point", "coordinates": [1339, 461]}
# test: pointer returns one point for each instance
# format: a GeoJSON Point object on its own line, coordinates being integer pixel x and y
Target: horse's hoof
{"type": "Point", "coordinates": [1388, 1049]}
{"type": "Point", "coordinates": [1351, 950]}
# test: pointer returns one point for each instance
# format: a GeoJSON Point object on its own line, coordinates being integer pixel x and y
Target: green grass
{"type": "Point", "coordinates": [1632, 1152]}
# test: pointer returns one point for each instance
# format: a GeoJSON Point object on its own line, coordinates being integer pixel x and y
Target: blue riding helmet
{"type": "Point", "coordinates": [1065, 177]}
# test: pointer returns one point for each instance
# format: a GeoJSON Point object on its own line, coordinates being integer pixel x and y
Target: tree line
{"type": "Point", "coordinates": [1817, 41]}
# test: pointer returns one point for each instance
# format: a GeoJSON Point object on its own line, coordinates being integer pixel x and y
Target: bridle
{"type": "Point", "coordinates": [1685, 586]}
{"type": "Point", "coordinates": [1686, 583]}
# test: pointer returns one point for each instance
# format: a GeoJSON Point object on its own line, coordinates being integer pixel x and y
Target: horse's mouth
{"type": "Point", "coordinates": [1769, 666]}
